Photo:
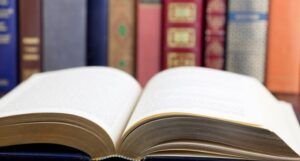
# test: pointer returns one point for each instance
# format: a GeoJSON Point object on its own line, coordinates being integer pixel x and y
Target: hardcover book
{"type": "Point", "coordinates": [247, 37]}
{"type": "Point", "coordinates": [8, 45]}
{"type": "Point", "coordinates": [149, 21]}
{"type": "Point", "coordinates": [30, 28]}
{"type": "Point", "coordinates": [187, 111]}
{"type": "Point", "coordinates": [182, 33]}
{"type": "Point", "coordinates": [97, 33]}
{"type": "Point", "coordinates": [64, 27]}
{"type": "Point", "coordinates": [122, 37]}
{"type": "Point", "coordinates": [215, 29]}
{"type": "Point", "coordinates": [283, 68]}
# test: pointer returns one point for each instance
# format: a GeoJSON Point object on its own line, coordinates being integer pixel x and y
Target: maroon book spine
{"type": "Point", "coordinates": [30, 37]}
{"type": "Point", "coordinates": [215, 27]}
{"type": "Point", "coordinates": [182, 33]}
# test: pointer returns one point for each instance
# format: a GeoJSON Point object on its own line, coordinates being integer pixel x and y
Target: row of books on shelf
{"type": "Point", "coordinates": [252, 37]}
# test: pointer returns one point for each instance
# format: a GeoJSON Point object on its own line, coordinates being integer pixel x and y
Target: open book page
{"type": "Point", "coordinates": [104, 96]}
{"type": "Point", "coordinates": [200, 91]}
{"type": "Point", "coordinates": [280, 118]}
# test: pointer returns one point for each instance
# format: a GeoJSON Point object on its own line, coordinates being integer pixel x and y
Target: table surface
{"type": "Point", "coordinates": [294, 99]}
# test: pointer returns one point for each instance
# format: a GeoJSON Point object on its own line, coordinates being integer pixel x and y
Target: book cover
{"type": "Point", "coordinates": [64, 39]}
{"type": "Point", "coordinates": [30, 31]}
{"type": "Point", "coordinates": [247, 37]}
{"type": "Point", "coordinates": [215, 32]}
{"type": "Point", "coordinates": [149, 21]}
{"type": "Point", "coordinates": [122, 36]}
{"type": "Point", "coordinates": [182, 33]}
{"type": "Point", "coordinates": [8, 45]}
{"type": "Point", "coordinates": [97, 33]}
{"type": "Point", "coordinates": [283, 65]}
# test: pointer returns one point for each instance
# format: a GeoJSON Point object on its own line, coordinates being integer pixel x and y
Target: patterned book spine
{"type": "Point", "coordinates": [283, 70]}
{"type": "Point", "coordinates": [97, 32]}
{"type": "Point", "coordinates": [30, 37]}
{"type": "Point", "coordinates": [8, 45]}
{"type": "Point", "coordinates": [122, 23]}
{"type": "Point", "coordinates": [215, 24]}
{"type": "Point", "coordinates": [64, 34]}
{"type": "Point", "coordinates": [246, 37]}
{"type": "Point", "coordinates": [148, 39]}
{"type": "Point", "coordinates": [182, 33]}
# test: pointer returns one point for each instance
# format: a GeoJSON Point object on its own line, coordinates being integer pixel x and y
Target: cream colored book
{"type": "Point", "coordinates": [185, 111]}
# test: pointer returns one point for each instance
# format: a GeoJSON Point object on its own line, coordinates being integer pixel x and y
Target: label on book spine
{"type": "Point", "coordinates": [214, 49]}
{"type": "Point", "coordinates": [8, 45]}
{"type": "Point", "coordinates": [182, 27]}
{"type": "Point", "coordinates": [30, 37]}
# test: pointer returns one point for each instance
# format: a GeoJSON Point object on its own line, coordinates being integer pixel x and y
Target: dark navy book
{"type": "Point", "coordinates": [52, 152]}
{"type": "Point", "coordinates": [8, 45]}
{"type": "Point", "coordinates": [97, 44]}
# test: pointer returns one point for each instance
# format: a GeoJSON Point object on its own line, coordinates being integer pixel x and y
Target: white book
{"type": "Point", "coordinates": [187, 111]}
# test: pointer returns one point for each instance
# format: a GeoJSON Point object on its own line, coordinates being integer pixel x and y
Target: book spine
{"type": "Point", "coordinates": [283, 69]}
{"type": "Point", "coordinates": [182, 33]}
{"type": "Point", "coordinates": [64, 27]}
{"type": "Point", "coordinates": [246, 37]}
{"type": "Point", "coordinates": [30, 31]}
{"type": "Point", "coordinates": [97, 33]}
{"type": "Point", "coordinates": [122, 37]}
{"type": "Point", "coordinates": [148, 39]}
{"type": "Point", "coordinates": [215, 26]}
{"type": "Point", "coordinates": [8, 45]}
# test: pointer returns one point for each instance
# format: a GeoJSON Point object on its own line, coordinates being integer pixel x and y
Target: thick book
{"type": "Point", "coordinates": [149, 21]}
{"type": "Point", "coordinates": [185, 111]}
{"type": "Point", "coordinates": [8, 45]}
{"type": "Point", "coordinates": [30, 41]}
{"type": "Point", "coordinates": [64, 34]}
{"type": "Point", "coordinates": [214, 34]}
{"type": "Point", "coordinates": [97, 33]}
{"type": "Point", "coordinates": [283, 64]}
{"type": "Point", "coordinates": [122, 36]}
{"type": "Point", "coordinates": [182, 33]}
{"type": "Point", "coordinates": [247, 37]}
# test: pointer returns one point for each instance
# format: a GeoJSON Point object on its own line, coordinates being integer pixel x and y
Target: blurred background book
{"type": "Point", "coordinates": [258, 38]}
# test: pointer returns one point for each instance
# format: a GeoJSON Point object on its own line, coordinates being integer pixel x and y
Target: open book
{"type": "Point", "coordinates": [185, 111]}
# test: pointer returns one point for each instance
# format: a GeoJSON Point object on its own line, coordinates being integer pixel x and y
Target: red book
{"type": "Point", "coordinates": [148, 39]}
{"type": "Point", "coordinates": [215, 22]}
{"type": "Point", "coordinates": [182, 33]}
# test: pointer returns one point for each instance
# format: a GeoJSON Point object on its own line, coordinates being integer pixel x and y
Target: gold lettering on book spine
{"type": "Point", "coordinates": [4, 82]}
{"type": "Point", "coordinates": [181, 59]}
{"type": "Point", "coordinates": [181, 38]}
{"type": "Point", "coordinates": [31, 41]}
{"type": "Point", "coordinates": [182, 12]}
{"type": "Point", "coordinates": [5, 39]}
{"type": "Point", "coordinates": [31, 57]}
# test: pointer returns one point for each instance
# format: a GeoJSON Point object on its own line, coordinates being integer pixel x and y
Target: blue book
{"type": "Point", "coordinates": [97, 32]}
{"type": "Point", "coordinates": [8, 45]}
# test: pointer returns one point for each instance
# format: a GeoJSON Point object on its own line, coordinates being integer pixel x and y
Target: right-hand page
{"type": "Point", "coordinates": [214, 94]}
{"type": "Point", "coordinates": [204, 92]}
